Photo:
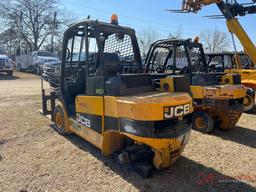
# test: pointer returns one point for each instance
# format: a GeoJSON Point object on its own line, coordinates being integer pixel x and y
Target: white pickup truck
{"type": "Point", "coordinates": [6, 65]}
{"type": "Point", "coordinates": [51, 73]}
{"type": "Point", "coordinates": [35, 61]}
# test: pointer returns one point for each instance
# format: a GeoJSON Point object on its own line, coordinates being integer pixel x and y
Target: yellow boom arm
{"type": "Point", "coordinates": [235, 27]}
{"type": "Point", "coordinates": [232, 22]}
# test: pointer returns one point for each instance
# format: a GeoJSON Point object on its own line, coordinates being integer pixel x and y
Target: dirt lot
{"type": "Point", "coordinates": [33, 157]}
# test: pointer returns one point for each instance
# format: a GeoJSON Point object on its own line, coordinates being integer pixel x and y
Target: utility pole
{"type": "Point", "coordinates": [19, 34]}
{"type": "Point", "coordinates": [53, 30]}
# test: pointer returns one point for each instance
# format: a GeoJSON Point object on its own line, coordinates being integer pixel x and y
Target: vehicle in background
{"type": "Point", "coordinates": [218, 97]}
{"type": "Point", "coordinates": [231, 11]}
{"type": "Point", "coordinates": [239, 63]}
{"type": "Point", "coordinates": [35, 61]}
{"type": "Point", "coordinates": [24, 62]}
{"type": "Point", "coordinates": [6, 65]}
{"type": "Point", "coordinates": [2, 51]}
{"type": "Point", "coordinates": [51, 73]}
{"type": "Point", "coordinates": [226, 60]}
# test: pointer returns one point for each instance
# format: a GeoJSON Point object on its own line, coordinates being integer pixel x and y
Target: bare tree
{"type": "Point", "coordinates": [177, 34]}
{"type": "Point", "coordinates": [215, 40]}
{"type": "Point", "coordinates": [145, 38]}
{"type": "Point", "coordinates": [36, 17]}
{"type": "Point", "coordinates": [8, 40]}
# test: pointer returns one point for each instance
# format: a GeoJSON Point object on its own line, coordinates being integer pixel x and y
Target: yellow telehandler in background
{"type": "Point", "coordinates": [230, 10]}
{"type": "Point", "coordinates": [218, 98]}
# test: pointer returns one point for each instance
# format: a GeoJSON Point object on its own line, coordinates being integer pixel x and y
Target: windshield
{"type": "Point", "coordinates": [171, 57]}
{"type": "Point", "coordinates": [111, 50]}
{"type": "Point", "coordinates": [45, 54]}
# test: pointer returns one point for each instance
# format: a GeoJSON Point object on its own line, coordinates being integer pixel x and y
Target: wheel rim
{"type": "Point", "coordinates": [199, 122]}
{"type": "Point", "coordinates": [248, 103]}
{"type": "Point", "coordinates": [58, 120]}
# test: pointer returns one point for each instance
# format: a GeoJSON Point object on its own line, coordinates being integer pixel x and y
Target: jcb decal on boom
{"type": "Point", "coordinates": [176, 111]}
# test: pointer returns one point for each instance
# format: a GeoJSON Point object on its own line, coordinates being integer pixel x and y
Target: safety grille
{"type": "Point", "coordinates": [50, 70]}
{"type": "Point", "coordinates": [195, 59]}
{"type": "Point", "coordinates": [2, 62]}
{"type": "Point", "coordinates": [121, 46]}
{"type": "Point", "coordinates": [180, 61]}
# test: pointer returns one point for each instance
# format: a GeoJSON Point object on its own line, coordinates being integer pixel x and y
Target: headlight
{"type": "Point", "coordinates": [41, 62]}
{"type": "Point", "coordinates": [8, 66]}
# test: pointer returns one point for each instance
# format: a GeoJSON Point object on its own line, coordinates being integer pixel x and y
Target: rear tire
{"type": "Point", "coordinates": [59, 121]}
{"type": "Point", "coordinates": [38, 70]}
{"type": "Point", "coordinates": [249, 101]}
{"type": "Point", "coordinates": [203, 122]}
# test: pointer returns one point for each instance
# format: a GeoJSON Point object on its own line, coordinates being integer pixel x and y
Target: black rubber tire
{"type": "Point", "coordinates": [208, 122]}
{"type": "Point", "coordinates": [54, 85]}
{"type": "Point", "coordinates": [38, 70]}
{"type": "Point", "coordinates": [60, 129]}
{"type": "Point", "coordinates": [250, 94]}
{"type": "Point", "coordinates": [144, 170]}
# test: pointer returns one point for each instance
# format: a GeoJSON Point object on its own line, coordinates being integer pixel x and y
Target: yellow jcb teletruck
{"type": "Point", "coordinates": [107, 100]}
{"type": "Point", "coordinates": [218, 98]}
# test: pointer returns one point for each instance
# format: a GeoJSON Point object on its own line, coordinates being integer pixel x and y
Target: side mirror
{"type": "Point", "coordinates": [102, 39]}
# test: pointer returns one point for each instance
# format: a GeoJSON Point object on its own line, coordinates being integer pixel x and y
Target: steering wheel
{"type": "Point", "coordinates": [184, 70]}
{"type": "Point", "coordinates": [91, 58]}
{"type": "Point", "coordinates": [160, 69]}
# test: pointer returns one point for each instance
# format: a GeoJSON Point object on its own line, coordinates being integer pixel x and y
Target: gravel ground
{"type": "Point", "coordinates": [33, 157]}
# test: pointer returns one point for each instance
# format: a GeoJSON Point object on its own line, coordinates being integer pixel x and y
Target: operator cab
{"type": "Point", "coordinates": [179, 57]}
{"type": "Point", "coordinates": [227, 60]}
{"type": "Point", "coordinates": [101, 59]}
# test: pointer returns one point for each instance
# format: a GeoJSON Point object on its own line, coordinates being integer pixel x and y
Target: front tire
{"type": "Point", "coordinates": [59, 121]}
{"type": "Point", "coordinates": [203, 122]}
{"type": "Point", "coordinates": [249, 101]}
{"type": "Point", "coordinates": [37, 70]}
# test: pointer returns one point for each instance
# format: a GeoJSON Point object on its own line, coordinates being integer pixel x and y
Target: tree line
{"type": "Point", "coordinates": [30, 24]}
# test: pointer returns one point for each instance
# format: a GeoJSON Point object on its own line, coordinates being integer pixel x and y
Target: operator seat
{"type": "Point", "coordinates": [111, 64]}
{"type": "Point", "coordinates": [111, 61]}
{"type": "Point", "coordinates": [81, 80]}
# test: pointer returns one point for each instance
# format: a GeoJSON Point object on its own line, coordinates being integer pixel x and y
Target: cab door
{"type": "Point", "coordinates": [90, 104]}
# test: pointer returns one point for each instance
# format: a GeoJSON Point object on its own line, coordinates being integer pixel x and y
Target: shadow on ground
{"type": "Point", "coordinates": [240, 135]}
{"type": "Point", "coordinates": [185, 175]}
{"type": "Point", "coordinates": [4, 76]}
